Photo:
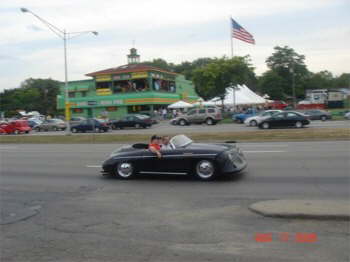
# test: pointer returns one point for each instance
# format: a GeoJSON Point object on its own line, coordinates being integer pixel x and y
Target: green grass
{"type": "Point", "coordinates": [305, 134]}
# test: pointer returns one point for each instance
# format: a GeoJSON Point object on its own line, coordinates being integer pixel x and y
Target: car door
{"type": "Point", "coordinates": [200, 116]}
{"type": "Point", "coordinates": [191, 115]}
{"type": "Point", "coordinates": [89, 125]}
{"type": "Point", "coordinates": [291, 118]}
{"type": "Point", "coordinates": [173, 161]}
{"type": "Point", "coordinates": [278, 120]}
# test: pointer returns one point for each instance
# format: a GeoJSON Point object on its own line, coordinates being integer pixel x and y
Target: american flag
{"type": "Point", "coordinates": [240, 33]}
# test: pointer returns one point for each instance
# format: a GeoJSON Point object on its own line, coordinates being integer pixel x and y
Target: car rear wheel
{"type": "Point", "coordinates": [323, 118]}
{"type": "Point", "coordinates": [16, 132]}
{"type": "Point", "coordinates": [253, 123]}
{"type": "Point", "coordinates": [74, 130]}
{"type": "Point", "coordinates": [54, 128]}
{"type": "Point", "coordinates": [205, 170]}
{"type": "Point", "coordinates": [182, 122]}
{"type": "Point", "coordinates": [125, 170]}
{"type": "Point", "coordinates": [137, 126]}
{"type": "Point", "coordinates": [298, 124]}
{"type": "Point", "coordinates": [265, 125]}
{"type": "Point", "coordinates": [209, 121]}
{"type": "Point", "coordinates": [97, 130]}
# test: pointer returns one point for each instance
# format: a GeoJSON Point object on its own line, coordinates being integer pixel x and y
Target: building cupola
{"type": "Point", "coordinates": [133, 57]}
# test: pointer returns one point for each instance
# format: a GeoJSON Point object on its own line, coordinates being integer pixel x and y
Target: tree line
{"type": "Point", "coordinates": [211, 76]}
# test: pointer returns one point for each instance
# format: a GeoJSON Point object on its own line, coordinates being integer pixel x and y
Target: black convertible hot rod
{"type": "Point", "coordinates": [206, 161]}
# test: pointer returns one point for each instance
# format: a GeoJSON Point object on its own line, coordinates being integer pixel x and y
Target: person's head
{"type": "Point", "coordinates": [165, 140]}
{"type": "Point", "coordinates": [155, 139]}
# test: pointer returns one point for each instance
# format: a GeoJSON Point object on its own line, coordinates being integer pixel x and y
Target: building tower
{"type": "Point", "coordinates": [133, 57]}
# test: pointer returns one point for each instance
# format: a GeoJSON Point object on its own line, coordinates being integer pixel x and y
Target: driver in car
{"type": "Point", "coordinates": [154, 145]}
{"type": "Point", "coordinates": [166, 143]}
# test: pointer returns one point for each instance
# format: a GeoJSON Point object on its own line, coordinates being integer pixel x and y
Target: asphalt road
{"type": "Point", "coordinates": [56, 207]}
{"type": "Point", "coordinates": [166, 128]}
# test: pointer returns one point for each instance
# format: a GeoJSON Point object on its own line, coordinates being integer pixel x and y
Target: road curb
{"type": "Point", "coordinates": [304, 209]}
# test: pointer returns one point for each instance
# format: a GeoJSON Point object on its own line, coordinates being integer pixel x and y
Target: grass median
{"type": "Point", "coordinates": [304, 134]}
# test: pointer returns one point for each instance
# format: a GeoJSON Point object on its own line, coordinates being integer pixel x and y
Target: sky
{"type": "Point", "coordinates": [176, 31]}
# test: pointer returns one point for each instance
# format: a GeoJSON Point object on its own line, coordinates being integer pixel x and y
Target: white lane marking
{"type": "Point", "coordinates": [8, 147]}
{"type": "Point", "coordinates": [94, 166]}
{"type": "Point", "coordinates": [265, 151]}
{"type": "Point", "coordinates": [262, 145]}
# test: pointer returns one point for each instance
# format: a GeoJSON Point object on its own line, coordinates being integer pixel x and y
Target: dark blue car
{"type": "Point", "coordinates": [90, 125]}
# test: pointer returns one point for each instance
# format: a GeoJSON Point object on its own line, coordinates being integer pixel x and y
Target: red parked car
{"type": "Point", "coordinates": [16, 127]}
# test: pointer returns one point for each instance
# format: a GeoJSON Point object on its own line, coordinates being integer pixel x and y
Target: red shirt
{"type": "Point", "coordinates": [155, 146]}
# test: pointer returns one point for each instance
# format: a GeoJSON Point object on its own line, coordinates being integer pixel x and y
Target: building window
{"type": "Point", "coordinates": [164, 85]}
{"type": "Point", "coordinates": [71, 95]}
{"type": "Point", "coordinates": [125, 86]}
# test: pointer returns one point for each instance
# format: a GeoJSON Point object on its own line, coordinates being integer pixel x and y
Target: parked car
{"type": "Point", "coordinates": [90, 125]}
{"type": "Point", "coordinates": [347, 115]}
{"type": "Point", "coordinates": [285, 119]}
{"type": "Point", "coordinates": [240, 118]}
{"type": "Point", "coordinates": [51, 125]}
{"type": "Point", "coordinates": [137, 121]}
{"type": "Point", "coordinates": [16, 127]}
{"type": "Point", "coordinates": [255, 120]}
{"type": "Point", "coordinates": [208, 115]}
{"type": "Point", "coordinates": [76, 120]}
{"type": "Point", "coordinates": [206, 161]}
{"type": "Point", "coordinates": [316, 114]}
{"type": "Point", "coordinates": [277, 104]}
{"type": "Point", "coordinates": [34, 123]}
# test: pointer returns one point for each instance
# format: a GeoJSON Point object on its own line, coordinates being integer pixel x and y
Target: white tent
{"type": "Point", "coordinates": [180, 104]}
{"type": "Point", "coordinates": [241, 96]}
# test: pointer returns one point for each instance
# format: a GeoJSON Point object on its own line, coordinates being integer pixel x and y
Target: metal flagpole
{"type": "Point", "coordinates": [233, 88]}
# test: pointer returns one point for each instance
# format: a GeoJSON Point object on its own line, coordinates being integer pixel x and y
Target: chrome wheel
{"type": "Point", "coordinates": [74, 130]}
{"type": "Point", "coordinates": [182, 122]}
{"type": "Point", "coordinates": [97, 130]}
{"type": "Point", "coordinates": [205, 169]}
{"type": "Point", "coordinates": [323, 118]}
{"type": "Point", "coordinates": [137, 126]}
{"type": "Point", "coordinates": [209, 121]}
{"type": "Point", "coordinates": [299, 124]}
{"type": "Point", "coordinates": [266, 125]}
{"type": "Point", "coordinates": [253, 123]}
{"type": "Point", "coordinates": [125, 170]}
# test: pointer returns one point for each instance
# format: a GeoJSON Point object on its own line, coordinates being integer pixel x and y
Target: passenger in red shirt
{"type": "Point", "coordinates": [154, 145]}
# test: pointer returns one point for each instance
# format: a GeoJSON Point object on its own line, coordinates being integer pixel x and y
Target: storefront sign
{"type": "Point", "coordinates": [103, 92]}
{"type": "Point", "coordinates": [103, 78]}
{"type": "Point", "coordinates": [81, 103]}
{"type": "Point", "coordinates": [121, 77]}
{"type": "Point", "coordinates": [118, 102]}
{"type": "Point", "coordinates": [137, 75]}
{"type": "Point", "coordinates": [105, 102]}
{"type": "Point", "coordinates": [92, 103]}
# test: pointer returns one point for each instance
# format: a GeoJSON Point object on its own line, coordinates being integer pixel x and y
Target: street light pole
{"type": "Point", "coordinates": [293, 86]}
{"type": "Point", "coordinates": [64, 35]}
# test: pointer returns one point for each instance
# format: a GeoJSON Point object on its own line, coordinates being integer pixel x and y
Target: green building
{"type": "Point", "coordinates": [127, 89]}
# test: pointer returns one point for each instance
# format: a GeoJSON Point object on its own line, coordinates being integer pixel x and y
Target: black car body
{"type": "Point", "coordinates": [285, 119]}
{"type": "Point", "coordinates": [90, 125]}
{"type": "Point", "coordinates": [318, 115]}
{"type": "Point", "coordinates": [137, 121]}
{"type": "Point", "coordinates": [186, 158]}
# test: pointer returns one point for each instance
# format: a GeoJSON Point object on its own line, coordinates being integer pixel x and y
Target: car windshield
{"type": "Point", "coordinates": [180, 141]}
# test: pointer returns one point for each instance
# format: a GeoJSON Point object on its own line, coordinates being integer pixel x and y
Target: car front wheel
{"type": "Point", "coordinates": [323, 118]}
{"type": "Point", "coordinates": [74, 130]}
{"type": "Point", "coordinates": [125, 170]}
{"type": "Point", "coordinates": [137, 125]}
{"type": "Point", "coordinates": [253, 123]}
{"type": "Point", "coordinates": [265, 125]}
{"type": "Point", "coordinates": [205, 170]}
{"type": "Point", "coordinates": [182, 122]}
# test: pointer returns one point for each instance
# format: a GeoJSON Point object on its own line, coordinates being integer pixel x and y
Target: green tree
{"type": "Point", "coordinates": [212, 79]}
{"type": "Point", "coordinates": [320, 80]}
{"type": "Point", "coordinates": [32, 95]}
{"type": "Point", "coordinates": [342, 81]}
{"type": "Point", "coordinates": [272, 84]}
{"type": "Point", "coordinates": [288, 64]}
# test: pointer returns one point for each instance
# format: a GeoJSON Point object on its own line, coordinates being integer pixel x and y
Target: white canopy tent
{"type": "Point", "coordinates": [180, 104]}
{"type": "Point", "coordinates": [242, 95]}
